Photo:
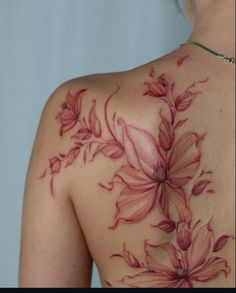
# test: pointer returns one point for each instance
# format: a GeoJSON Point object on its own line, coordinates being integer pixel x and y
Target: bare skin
{"type": "Point", "coordinates": [75, 207]}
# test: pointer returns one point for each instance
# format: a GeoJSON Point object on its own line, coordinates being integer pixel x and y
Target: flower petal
{"type": "Point", "coordinates": [71, 103]}
{"type": "Point", "coordinates": [141, 150]}
{"type": "Point", "coordinates": [132, 206]}
{"type": "Point", "coordinates": [66, 116]}
{"type": "Point", "coordinates": [184, 159]}
{"type": "Point", "coordinates": [67, 125]}
{"type": "Point", "coordinates": [184, 236]}
{"type": "Point", "coordinates": [149, 279]}
{"type": "Point", "coordinates": [213, 268]}
{"type": "Point", "coordinates": [162, 257]}
{"type": "Point", "coordinates": [201, 247]}
{"type": "Point", "coordinates": [178, 209]}
{"type": "Point", "coordinates": [135, 179]}
{"type": "Point", "coordinates": [160, 87]}
{"type": "Point", "coordinates": [163, 201]}
{"type": "Point", "coordinates": [129, 147]}
{"type": "Point", "coordinates": [185, 284]}
{"type": "Point", "coordinates": [79, 95]}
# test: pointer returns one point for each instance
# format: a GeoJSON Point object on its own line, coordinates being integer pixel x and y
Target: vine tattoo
{"type": "Point", "coordinates": [155, 176]}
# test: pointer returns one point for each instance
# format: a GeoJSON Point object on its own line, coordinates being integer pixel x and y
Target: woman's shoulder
{"type": "Point", "coordinates": [129, 92]}
{"type": "Point", "coordinates": [129, 77]}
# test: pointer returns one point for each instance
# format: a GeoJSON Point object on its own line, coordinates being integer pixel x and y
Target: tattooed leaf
{"type": "Point", "coordinates": [180, 123]}
{"type": "Point", "coordinates": [72, 155]}
{"type": "Point", "coordinates": [112, 149]}
{"type": "Point", "coordinates": [166, 225]}
{"type": "Point", "coordinates": [220, 243]}
{"type": "Point", "coordinates": [184, 101]}
{"type": "Point", "coordinates": [210, 191]}
{"type": "Point", "coordinates": [199, 187]}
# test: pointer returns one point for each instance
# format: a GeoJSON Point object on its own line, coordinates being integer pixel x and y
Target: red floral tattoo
{"type": "Point", "coordinates": [161, 172]}
{"type": "Point", "coordinates": [192, 260]}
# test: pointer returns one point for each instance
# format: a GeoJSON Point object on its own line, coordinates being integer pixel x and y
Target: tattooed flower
{"type": "Point", "coordinates": [180, 270]}
{"type": "Point", "coordinates": [149, 178]}
{"type": "Point", "coordinates": [70, 113]}
{"type": "Point", "coordinates": [159, 88]}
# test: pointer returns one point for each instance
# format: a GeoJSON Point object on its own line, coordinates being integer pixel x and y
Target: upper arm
{"type": "Point", "coordinates": [53, 249]}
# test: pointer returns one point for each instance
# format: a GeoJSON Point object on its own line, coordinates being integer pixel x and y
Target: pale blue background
{"type": "Point", "coordinates": [46, 42]}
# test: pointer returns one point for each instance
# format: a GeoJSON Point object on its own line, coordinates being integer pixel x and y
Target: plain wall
{"type": "Point", "coordinates": [46, 42]}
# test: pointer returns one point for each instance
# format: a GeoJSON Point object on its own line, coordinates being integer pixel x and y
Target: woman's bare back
{"type": "Point", "coordinates": [140, 177]}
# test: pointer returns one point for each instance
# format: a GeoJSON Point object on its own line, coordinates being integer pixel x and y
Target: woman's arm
{"type": "Point", "coordinates": [53, 249]}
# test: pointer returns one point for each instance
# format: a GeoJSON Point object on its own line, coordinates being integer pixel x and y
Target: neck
{"type": "Point", "coordinates": [214, 25]}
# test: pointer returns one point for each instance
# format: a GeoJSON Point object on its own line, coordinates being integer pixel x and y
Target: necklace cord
{"type": "Point", "coordinates": [231, 60]}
